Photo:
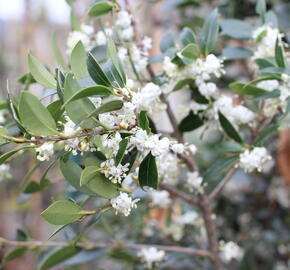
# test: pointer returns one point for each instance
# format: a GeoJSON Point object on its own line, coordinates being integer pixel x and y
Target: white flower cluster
{"type": "Point", "coordinates": [147, 98]}
{"type": "Point", "coordinates": [254, 159]}
{"type": "Point", "coordinates": [236, 114]}
{"type": "Point", "coordinates": [123, 22]}
{"type": "Point", "coordinates": [168, 168]}
{"type": "Point", "coordinates": [230, 251]}
{"type": "Point", "coordinates": [201, 70]}
{"type": "Point", "coordinates": [151, 256]}
{"type": "Point", "coordinates": [124, 204]}
{"type": "Point", "coordinates": [194, 182]}
{"type": "Point", "coordinates": [114, 173]}
{"type": "Point", "coordinates": [45, 151]}
{"type": "Point", "coordinates": [4, 172]}
{"type": "Point", "coordinates": [273, 105]}
{"type": "Point", "coordinates": [159, 198]}
{"type": "Point", "coordinates": [101, 36]}
{"type": "Point", "coordinates": [265, 36]}
{"type": "Point", "coordinates": [279, 192]}
{"type": "Point", "coordinates": [84, 35]}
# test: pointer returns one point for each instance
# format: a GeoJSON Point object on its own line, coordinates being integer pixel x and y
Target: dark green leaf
{"type": "Point", "coordinates": [27, 78]}
{"type": "Point", "coordinates": [209, 33]}
{"type": "Point", "coordinates": [62, 212]}
{"type": "Point", "coordinates": [191, 51]}
{"type": "Point", "coordinates": [180, 84]}
{"type": "Point", "coordinates": [98, 183]}
{"type": "Point", "coordinates": [78, 61]}
{"type": "Point", "coordinates": [265, 62]}
{"type": "Point", "coordinates": [236, 29]}
{"type": "Point", "coordinates": [34, 116]}
{"type": "Point", "coordinates": [72, 173]}
{"type": "Point", "coordinates": [96, 72]}
{"type": "Point", "coordinates": [9, 154]}
{"type": "Point", "coordinates": [148, 174]}
{"type": "Point", "coordinates": [265, 134]}
{"type": "Point", "coordinates": [130, 158]}
{"type": "Point", "coordinates": [187, 36]}
{"type": "Point", "coordinates": [113, 105]}
{"type": "Point", "coordinates": [279, 54]}
{"type": "Point", "coordinates": [55, 109]}
{"type": "Point", "coordinates": [190, 122]}
{"type": "Point", "coordinates": [236, 53]}
{"type": "Point", "coordinates": [144, 122]}
{"type": "Point", "coordinates": [14, 254]}
{"type": "Point", "coordinates": [57, 256]}
{"type": "Point", "coordinates": [33, 187]}
{"type": "Point", "coordinates": [100, 8]}
{"type": "Point", "coordinates": [40, 73]}
{"type": "Point", "coordinates": [229, 129]}
{"type": "Point", "coordinates": [247, 89]}
{"type": "Point", "coordinates": [122, 149]}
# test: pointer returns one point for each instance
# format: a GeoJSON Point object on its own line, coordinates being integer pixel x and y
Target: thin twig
{"type": "Point", "coordinates": [91, 245]}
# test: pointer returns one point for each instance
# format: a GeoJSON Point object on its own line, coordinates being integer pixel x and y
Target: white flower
{"type": "Point", "coordinates": [177, 148]}
{"type": "Point", "coordinates": [168, 169]}
{"type": "Point", "coordinates": [114, 173]}
{"type": "Point", "coordinates": [272, 106]}
{"type": "Point", "coordinates": [147, 97]}
{"type": "Point", "coordinates": [188, 218]}
{"type": "Point", "coordinates": [87, 29]}
{"type": "Point", "coordinates": [69, 128]}
{"type": "Point", "coordinates": [127, 34]}
{"type": "Point", "coordinates": [169, 68]}
{"type": "Point", "coordinates": [97, 101]}
{"type": "Point", "coordinates": [147, 43]}
{"type": "Point", "coordinates": [192, 148]}
{"type": "Point", "coordinates": [268, 85]}
{"type": "Point", "coordinates": [107, 119]}
{"type": "Point", "coordinates": [159, 198]}
{"type": "Point", "coordinates": [151, 256]}
{"type": "Point", "coordinates": [207, 89]}
{"type": "Point", "coordinates": [160, 147]}
{"type": "Point", "coordinates": [254, 159]}
{"type": "Point", "coordinates": [194, 181]}
{"type": "Point", "coordinates": [139, 57]}
{"type": "Point", "coordinates": [72, 145]}
{"type": "Point", "coordinates": [176, 231]}
{"type": "Point", "coordinates": [230, 250]}
{"type": "Point", "coordinates": [266, 37]}
{"type": "Point", "coordinates": [45, 151]}
{"type": "Point", "coordinates": [112, 141]}
{"type": "Point", "coordinates": [4, 171]}
{"type": "Point", "coordinates": [101, 38]}
{"type": "Point", "coordinates": [2, 116]}
{"type": "Point", "coordinates": [124, 204]}
{"type": "Point", "coordinates": [76, 36]}
{"type": "Point", "coordinates": [123, 19]}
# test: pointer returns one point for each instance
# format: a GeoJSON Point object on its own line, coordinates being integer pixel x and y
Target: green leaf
{"type": "Point", "coordinates": [13, 254]}
{"type": "Point", "coordinates": [57, 53]}
{"type": "Point", "coordinates": [261, 9]}
{"type": "Point", "coordinates": [187, 36]}
{"type": "Point", "coordinates": [236, 29]}
{"type": "Point", "coordinates": [78, 60]}
{"type": "Point", "coordinates": [33, 186]}
{"type": "Point", "coordinates": [191, 51]}
{"type": "Point", "coordinates": [27, 78]}
{"type": "Point", "coordinates": [57, 256]}
{"type": "Point", "coordinates": [100, 8]}
{"type": "Point", "coordinates": [62, 212]}
{"type": "Point", "coordinates": [190, 122]}
{"type": "Point", "coordinates": [111, 106]}
{"type": "Point", "coordinates": [279, 54]}
{"type": "Point", "coordinates": [34, 116]}
{"type": "Point", "coordinates": [144, 122]}
{"type": "Point", "coordinates": [57, 230]}
{"type": "Point", "coordinates": [229, 129]}
{"type": "Point", "coordinates": [167, 41]}
{"type": "Point", "coordinates": [122, 149]}
{"type": "Point", "coordinates": [75, 22]}
{"type": "Point", "coordinates": [236, 53]}
{"type": "Point", "coordinates": [40, 73]}
{"type": "Point", "coordinates": [148, 173]}
{"type": "Point", "coordinates": [77, 110]}
{"type": "Point", "coordinates": [113, 75]}
{"type": "Point", "coordinates": [247, 89]}
{"type": "Point", "coordinates": [180, 84]}
{"type": "Point", "coordinates": [96, 90]}
{"type": "Point", "coordinates": [7, 155]}
{"type": "Point", "coordinates": [96, 72]}
{"type": "Point", "coordinates": [130, 159]}
{"type": "Point", "coordinates": [72, 173]}
{"type": "Point", "coordinates": [98, 183]}
{"type": "Point", "coordinates": [265, 62]}
{"type": "Point", "coordinates": [209, 33]}
{"type": "Point", "coordinates": [113, 55]}
{"type": "Point", "coordinates": [55, 109]}
{"type": "Point", "coordinates": [265, 134]}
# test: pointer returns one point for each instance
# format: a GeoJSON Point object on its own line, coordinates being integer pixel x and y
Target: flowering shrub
{"type": "Point", "coordinates": [100, 129]}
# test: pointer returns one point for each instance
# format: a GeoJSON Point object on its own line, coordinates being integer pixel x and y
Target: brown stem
{"type": "Point", "coordinates": [211, 231]}
{"type": "Point", "coordinates": [90, 245]}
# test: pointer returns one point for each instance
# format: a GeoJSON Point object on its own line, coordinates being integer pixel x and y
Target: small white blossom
{"type": "Point", "coordinates": [127, 34]}
{"type": "Point", "coordinates": [187, 218]}
{"type": "Point", "coordinates": [45, 151]}
{"type": "Point", "coordinates": [254, 159]}
{"type": "Point", "coordinates": [178, 148]}
{"type": "Point", "coordinates": [159, 198]}
{"type": "Point", "coordinates": [194, 181]}
{"type": "Point", "coordinates": [124, 19]}
{"type": "Point", "coordinates": [76, 36]}
{"type": "Point", "coordinates": [151, 256]}
{"type": "Point", "coordinates": [207, 89]}
{"type": "Point", "coordinates": [230, 250]}
{"type": "Point", "coordinates": [268, 85]}
{"type": "Point", "coordinates": [69, 128]}
{"type": "Point", "coordinates": [147, 43]}
{"type": "Point", "coordinates": [169, 68]}
{"type": "Point", "coordinates": [114, 173]}
{"type": "Point", "coordinates": [168, 168]}
{"type": "Point", "coordinates": [107, 119]}
{"type": "Point", "coordinates": [4, 172]}
{"type": "Point", "coordinates": [192, 148]}
{"type": "Point", "coordinates": [124, 204]}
